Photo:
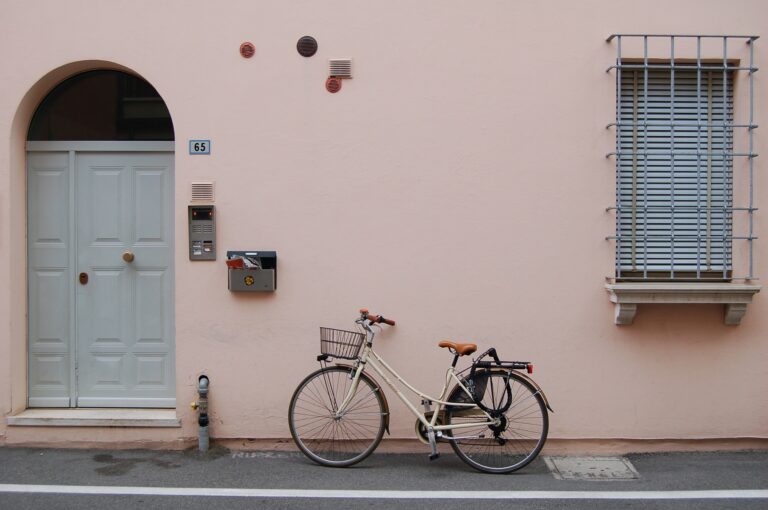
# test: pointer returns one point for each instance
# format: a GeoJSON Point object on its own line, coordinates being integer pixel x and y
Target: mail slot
{"type": "Point", "coordinates": [252, 271]}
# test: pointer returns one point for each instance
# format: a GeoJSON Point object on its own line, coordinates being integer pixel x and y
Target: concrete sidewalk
{"type": "Point", "coordinates": [41, 478]}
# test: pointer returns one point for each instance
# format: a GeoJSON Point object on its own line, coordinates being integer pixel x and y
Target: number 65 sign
{"type": "Point", "coordinates": [199, 146]}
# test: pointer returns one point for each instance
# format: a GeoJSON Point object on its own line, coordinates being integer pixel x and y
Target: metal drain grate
{"type": "Point", "coordinates": [591, 468]}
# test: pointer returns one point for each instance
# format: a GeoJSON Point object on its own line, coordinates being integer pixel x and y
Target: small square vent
{"type": "Point", "coordinates": [202, 191]}
{"type": "Point", "coordinates": [341, 67]}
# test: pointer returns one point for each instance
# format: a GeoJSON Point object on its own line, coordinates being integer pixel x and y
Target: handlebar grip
{"type": "Point", "coordinates": [375, 319]}
{"type": "Point", "coordinates": [378, 319]}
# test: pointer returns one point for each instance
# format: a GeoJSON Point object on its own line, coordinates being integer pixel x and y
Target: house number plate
{"type": "Point", "coordinates": [199, 146]}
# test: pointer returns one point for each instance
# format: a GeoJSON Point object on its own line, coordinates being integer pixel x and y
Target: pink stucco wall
{"type": "Point", "coordinates": [457, 184]}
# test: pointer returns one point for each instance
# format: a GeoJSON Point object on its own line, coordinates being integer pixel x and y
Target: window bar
{"type": "Point", "coordinates": [698, 157]}
{"type": "Point", "coordinates": [688, 208]}
{"type": "Point", "coordinates": [656, 123]}
{"type": "Point", "coordinates": [672, 161]}
{"type": "Point", "coordinates": [750, 134]}
{"type": "Point", "coordinates": [634, 171]}
{"type": "Point", "coordinates": [619, 219]}
{"type": "Point", "coordinates": [709, 171]}
{"type": "Point", "coordinates": [725, 150]}
{"type": "Point", "coordinates": [645, 157]}
{"type": "Point", "coordinates": [750, 37]}
{"type": "Point", "coordinates": [654, 152]}
{"type": "Point", "coordinates": [680, 66]}
{"type": "Point", "coordinates": [719, 237]}
{"type": "Point", "coordinates": [682, 152]}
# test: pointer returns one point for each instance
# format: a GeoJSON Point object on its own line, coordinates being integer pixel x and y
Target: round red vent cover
{"type": "Point", "coordinates": [333, 85]}
{"type": "Point", "coordinates": [247, 50]}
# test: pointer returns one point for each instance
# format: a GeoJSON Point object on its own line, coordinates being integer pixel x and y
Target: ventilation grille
{"type": "Point", "coordinates": [202, 192]}
{"type": "Point", "coordinates": [341, 67]}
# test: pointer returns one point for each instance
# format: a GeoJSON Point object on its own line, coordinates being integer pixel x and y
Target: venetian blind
{"type": "Point", "coordinates": [674, 178]}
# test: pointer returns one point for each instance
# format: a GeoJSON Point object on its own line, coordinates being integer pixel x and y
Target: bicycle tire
{"type": "Point", "coordinates": [331, 441]}
{"type": "Point", "coordinates": [516, 441]}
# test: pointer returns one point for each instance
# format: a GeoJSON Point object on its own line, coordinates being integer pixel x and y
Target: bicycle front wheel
{"type": "Point", "coordinates": [518, 436]}
{"type": "Point", "coordinates": [326, 437]}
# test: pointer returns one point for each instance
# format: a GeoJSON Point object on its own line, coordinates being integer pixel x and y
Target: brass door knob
{"type": "Point", "coordinates": [128, 256]}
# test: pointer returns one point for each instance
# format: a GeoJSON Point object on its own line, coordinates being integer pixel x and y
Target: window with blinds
{"type": "Point", "coordinates": [674, 172]}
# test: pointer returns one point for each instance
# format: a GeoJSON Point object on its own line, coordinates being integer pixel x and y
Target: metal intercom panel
{"type": "Point", "coordinates": [202, 232]}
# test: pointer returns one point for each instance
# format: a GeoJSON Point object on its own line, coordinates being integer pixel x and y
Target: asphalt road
{"type": "Point", "coordinates": [283, 480]}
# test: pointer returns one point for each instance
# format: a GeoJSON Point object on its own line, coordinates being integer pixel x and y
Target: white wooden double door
{"type": "Point", "coordinates": [100, 278]}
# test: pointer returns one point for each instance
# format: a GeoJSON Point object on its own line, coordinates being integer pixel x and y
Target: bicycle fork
{"type": "Point", "coordinates": [341, 409]}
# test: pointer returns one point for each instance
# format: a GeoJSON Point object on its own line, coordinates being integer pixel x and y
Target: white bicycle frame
{"type": "Point", "coordinates": [368, 357]}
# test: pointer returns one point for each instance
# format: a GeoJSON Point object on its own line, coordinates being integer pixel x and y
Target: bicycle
{"type": "Point", "coordinates": [494, 417]}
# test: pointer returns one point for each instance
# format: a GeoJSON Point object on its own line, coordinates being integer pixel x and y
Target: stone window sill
{"type": "Point", "coordinates": [95, 418]}
{"type": "Point", "coordinates": [735, 297]}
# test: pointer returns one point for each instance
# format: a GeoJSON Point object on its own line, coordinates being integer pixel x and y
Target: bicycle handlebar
{"type": "Point", "coordinates": [375, 319]}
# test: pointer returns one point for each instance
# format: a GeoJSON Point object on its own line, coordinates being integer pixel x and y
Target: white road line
{"type": "Point", "coordinates": [378, 494]}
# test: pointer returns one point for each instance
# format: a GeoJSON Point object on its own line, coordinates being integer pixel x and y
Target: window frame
{"type": "Point", "coordinates": [660, 152]}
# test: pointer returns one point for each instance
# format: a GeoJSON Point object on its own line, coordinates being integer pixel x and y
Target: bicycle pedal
{"type": "Point", "coordinates": [434, 456]}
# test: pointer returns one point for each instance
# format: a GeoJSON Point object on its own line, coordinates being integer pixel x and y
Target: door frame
{"type": "Point", "coordinates": [73, 148]}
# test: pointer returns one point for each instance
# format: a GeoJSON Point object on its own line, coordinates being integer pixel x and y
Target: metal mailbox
{"type": "Point", "coordinates": [252, 271]}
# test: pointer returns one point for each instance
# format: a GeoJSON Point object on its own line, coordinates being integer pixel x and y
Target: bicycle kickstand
{"type": "Point", "coordinates": [432, 444]}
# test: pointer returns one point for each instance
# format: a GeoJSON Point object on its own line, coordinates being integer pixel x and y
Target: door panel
{"type": "Point", "coordinates": [125, 340]}
{"type": "Point", "coordinates": [102, 188]}
{"type": "Point", "coordinates": [49, 280]}
{"type": "Point", "coordinates": [150, 190]}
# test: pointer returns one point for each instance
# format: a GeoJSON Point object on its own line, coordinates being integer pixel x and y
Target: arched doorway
{"type": "Point", "coordinates": [100, 245]}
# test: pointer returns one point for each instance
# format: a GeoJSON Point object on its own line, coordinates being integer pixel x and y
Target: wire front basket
{"type": "Point", "coordinates": [338, 343]}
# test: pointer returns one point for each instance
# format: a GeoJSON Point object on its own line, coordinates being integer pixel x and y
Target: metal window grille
{"type": "Point", "coordinates": [675, 158]}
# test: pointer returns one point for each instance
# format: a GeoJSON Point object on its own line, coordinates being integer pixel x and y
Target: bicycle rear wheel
{"type": "Point", "coordinates": [332, 440]}
{"type": "Point", "coordinates": [515, 441]}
